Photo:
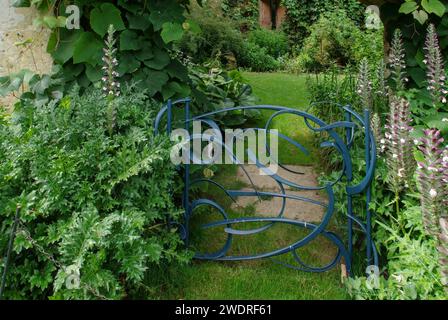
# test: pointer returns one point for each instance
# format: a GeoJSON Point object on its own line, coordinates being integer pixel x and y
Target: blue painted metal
{"type": "Point", "coordinates": [353, 124]}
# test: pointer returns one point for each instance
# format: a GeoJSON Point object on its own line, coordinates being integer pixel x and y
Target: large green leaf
{"type": "Point", "coordinates": [177, 70]}
{"type": "Point", "coordinates": [438, 121]}
{"type": "Point", "coordinates": [162, 11]}
{"type": "Point", "coordinates": [42, 85]}
{"type": "Point", "coordinates": [129, 41]}
{"type": "Point", "coordinates": [192, 26]}
{"type": "Point", "coordinates": [160, 60]}
{"type": "Point", "coordinates": [156, 80]}
{"type": "Point", "coordinates": [146, 53]}
{"type": "Point", "coordinates": [103, 16]}
{"type": "Point", "coordinates": [418, 75]}
{"type": "Point", "coordinates": [127, 63]}
{"type": "Point", "coordinates": [63, 49]}
{"type": "Point", "coordinates": [171, 32]}
{"type": "Point", "coordinates": [420, 15]}
{"type": "Point", "coordinates": [88, 48]}
{"type": "Point", "coordinates": [151, 79]}
{"type": "Point", "coordinates": [408, 7]}
{"type": "Point", "coordinates": [175, 88]}
{"type": "Point", "coordinates": [434, 6]}
{"type": "Point", "coordinates": [93, 73]}
{"type": "Point", "coordinates": [71, 71]}
{"type": "Point", "coordinates": [138, 21]}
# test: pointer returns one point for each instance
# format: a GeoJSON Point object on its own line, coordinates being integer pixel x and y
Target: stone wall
{"type": "Point", "coordinates": [16, 28]}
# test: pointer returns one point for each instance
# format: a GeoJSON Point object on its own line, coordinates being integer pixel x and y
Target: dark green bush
{"type": "Point", "coordinates": [257, 58]}
{"type": "Point", "coordinates": [220, 39]}
{"type": "Point", "coordinates": [217, 37]}
{"type": "Point", "coordinates": [275, 42]}
{"type": "Point", "coordinates": [216, 89]}
{"type": "Point", "coordinates": [301, 14]}
{"type": "Point", "coordinates": [94, 202]}
{"type": "Point", "coordinates": [335, 39]}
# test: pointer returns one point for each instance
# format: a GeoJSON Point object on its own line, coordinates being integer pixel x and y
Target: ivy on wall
{"type": "Point", "coordinates": [145, 31]}
{"type": "Point", "coordinates": [244, 12]}
{"type": "Point", "coordinates": [302, 14]}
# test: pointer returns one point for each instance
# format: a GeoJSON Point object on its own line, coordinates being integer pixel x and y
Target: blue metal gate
{"type": "Point", "coordinates": [353, 124]}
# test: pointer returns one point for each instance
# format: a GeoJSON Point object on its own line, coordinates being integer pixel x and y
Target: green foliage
{"type": "Point", "coordinates": [336, 86]}
{"type": "Point", "coordinates": [257, 58]}
{"type": "Point", "coordinates": [220, 39]}
{"type": "Point", "coordinates": [301, 14]}
{"type": "Point", "coordinates": [92, 202]}
{"type": "Point", "coordinates": [414, 34]}
{"type": "Point", "coordinates": [335, 39]}
{"type": "Point", "coordinates": [421, 11]}
{"type": "Point", "coordinates": [39, 88]}
{"type": "Point", "coordinates": [217, 89]}
{"type": "Point", "coordinates": [408, 257]}
{"type": "Point", "coordinates": [409, 268]}
{"type": "Point", "coordinates": [145, 32]}
{"type": "Point", "coordinates": [275, 43]}
{"type": "Point", "coordinates": [244, 12]}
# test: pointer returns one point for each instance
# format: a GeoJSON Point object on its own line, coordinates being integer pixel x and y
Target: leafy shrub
{"type": "Point", "coordinates": [412, 256]}
{"type": "Point", "coordinates": [301, 14]}
{"type": "Point", "coordinates": [217, 89]}
{"type": "Point", "coordinates": [298, 63]}
{"type": "Point", "coordinates": [275, 42]}
{"type": "Point", "coordinates": [257, 58]}
{"type": "Point", "coordinates": [244, 12]}
{"type": "Point", "coordinates": [217, 37]}
{"type": "Point", "coordinates": [92, 202]}
{"type": "Point", "coordinates": [414, 34]}
{"type": "Point", "coordinates": [220, 39]}
{"type": "Point", "coordinates": [145, 30]}
{"type": "Point", "coordinates": [335, 39]}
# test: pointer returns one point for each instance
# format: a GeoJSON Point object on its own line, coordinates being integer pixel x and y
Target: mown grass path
{"type": "Point", "coordinates": [285, 90]}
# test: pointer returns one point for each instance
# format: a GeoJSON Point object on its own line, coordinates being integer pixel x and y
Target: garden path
{"type": "Point", "coordinates": [270, 207]}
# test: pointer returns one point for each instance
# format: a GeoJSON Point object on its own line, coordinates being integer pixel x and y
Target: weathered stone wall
{"type": "Point", "coordinates": [16, 27]}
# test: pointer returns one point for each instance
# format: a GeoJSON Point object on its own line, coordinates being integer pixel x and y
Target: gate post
{"type": "Point", "coordinates": [186, 195]}
{"type": "Point", "coordinates": [368, 146]}
{"type": "Point", "coordinates": [348, 136]}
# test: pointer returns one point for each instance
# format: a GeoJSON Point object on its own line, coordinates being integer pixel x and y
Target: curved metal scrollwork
{"type": "Point", "coordinates": [352, 124]}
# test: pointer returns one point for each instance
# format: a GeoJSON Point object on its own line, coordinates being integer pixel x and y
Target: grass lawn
{"type": "Point", "coordinates": [286, 90]}
{"type": "Point", "coordinates": [260, 279]}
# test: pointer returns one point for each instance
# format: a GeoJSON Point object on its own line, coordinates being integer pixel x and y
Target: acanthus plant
{"type": "Point", "coordinates": [381, 89]}
{"type": "Point", "coordinates": [111, 86]}
{"type": "Point", "coordinates": [431, 173]}
{"type": "Point", "coordinates": [397, 61]}
{"type": "Point", "coordinates": [372, 96]}
{"type": "Point", "coordinates": [437, 86]}
{"type": "Point", "coordinates": [443, 249]}
{"type": "Point", "coordinates": [365, 84]}
{"type": "Point", "coordinates": [399, 146]}
{"type": "Point", "coordinates": [381, 93]}
{"type": "Point", "coordinates": [432, 177]}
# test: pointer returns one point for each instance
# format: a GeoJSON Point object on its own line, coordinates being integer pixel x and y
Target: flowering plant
{"type": "Point", "coordinates": [111, 87]}
{"type": "Point", "coordinates": [435, 67]}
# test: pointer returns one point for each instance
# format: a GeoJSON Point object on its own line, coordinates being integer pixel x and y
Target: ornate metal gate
{"type": "Point", "coordinates": [340, 136]}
